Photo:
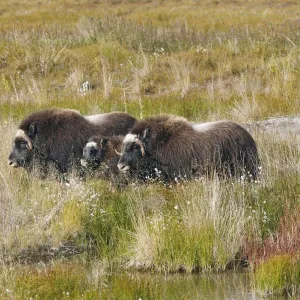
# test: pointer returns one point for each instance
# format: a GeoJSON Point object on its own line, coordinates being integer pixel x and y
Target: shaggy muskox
{"type": "Point", "coordinates": [55, 137]}
{"type": "Point", "coordinates": [172, 148]}
{"type": "Point", "coordinates": [100, 154]}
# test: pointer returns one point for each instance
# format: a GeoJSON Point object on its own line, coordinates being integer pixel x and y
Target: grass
{"type": "Point", "coordinates": [279, 275]}
{"type": "Point", "coordinates": [191, 234]}
{"type": "Point", "coordinates": [204, 61]}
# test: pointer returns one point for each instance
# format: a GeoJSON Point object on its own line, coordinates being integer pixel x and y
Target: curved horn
{"type": "Point", "coordinates": [139, 142]}
{"type": "Point", "coordinates": [118, 153]}
{"type": "Point", "coordinates": [22, 134]}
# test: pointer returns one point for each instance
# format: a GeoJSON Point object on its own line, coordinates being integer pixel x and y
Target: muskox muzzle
{"type": "Point", "coordinates": [84, 163]}
{"type": "Point", "coordinates": [124, 168]}
{"type": "Point", "coordinates": [22, 149]}
{"type": "Point", "coordinates": [91, 156]}
{"type": "Point", "coordinates": [133, 151]}
{"type": "Point", "coordinates": [12, 161]}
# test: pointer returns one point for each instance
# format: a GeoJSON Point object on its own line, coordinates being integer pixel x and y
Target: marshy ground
{"type": "Point", "coordinates": [204, 60]}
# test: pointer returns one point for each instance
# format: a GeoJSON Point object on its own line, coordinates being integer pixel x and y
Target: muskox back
{"type": "Point", "coordinates": [178, 148]}
{"type": "Point", "coordinates": [116, 123]}
{"type": "Point", "coordinates": [59, 135]}
{"type": "Point", "coordinates": [232, 149]}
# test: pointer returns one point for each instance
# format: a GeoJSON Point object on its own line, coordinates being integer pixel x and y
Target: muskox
{"type": "Point", "coordinates": [100, 159]}
{"type": "Point", "coordinates": [55, 137]}
{"type": "Point", "coordinates": [100, 155]}
{"type": "Point", "coordinates": [170, 147]}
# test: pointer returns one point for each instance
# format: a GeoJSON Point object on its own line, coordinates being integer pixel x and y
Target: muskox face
{"type": "Point", "coordinates": [92, 153]}
{"type": "Point", "coordinates": [133, 151]}
{"type": "Point", "coordinates": [22, 151]}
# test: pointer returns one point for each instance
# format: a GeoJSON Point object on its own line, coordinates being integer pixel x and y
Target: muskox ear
{"type": "Point", "coordinates": [32, 130]}
{"type": "Point", "coordinates": [146, 135]}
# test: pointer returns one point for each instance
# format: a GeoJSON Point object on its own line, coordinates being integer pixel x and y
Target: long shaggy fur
{"type": "Point", "coordinates": [179, 149]}
{"type": "Point", "coordinates": [101, 159]}
{"type": "Point", "coordinates": [107, 158]}
{"type": "Point", "coordinates": [61, 134]}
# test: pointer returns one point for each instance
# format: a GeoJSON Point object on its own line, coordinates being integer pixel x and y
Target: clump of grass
{"type": "Point", "coordinates": [138, 74]}
{"type": "Point", "coordinates": [181, 73]}
{"type": "Point", "coordinates": [106, 79]}
{"type": "Point", "coordinates": [284, 238]}
{"type": "Point", "coordinates": [193, 233]}
{"type": "Point", "coordinates": [107, 223]}
{"type": "Point", "coordinates": [279, 275]}
{"type": "Point", "coordinates": [273, 201]}
{"type": "Point", "coordinates": [60, 280]}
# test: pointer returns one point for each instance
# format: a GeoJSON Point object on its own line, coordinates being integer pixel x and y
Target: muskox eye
{"type": "Point", "coordinates": [21, 144]}
{"type": "Point", "coordinates": [135, 147]}
{"type": "Point", "coordinates": [94, 151]}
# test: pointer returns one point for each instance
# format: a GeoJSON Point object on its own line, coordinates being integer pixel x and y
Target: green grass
{"type": "Point", "coordinates": [204, 61]}
{"type": "Point", "coordinates": [62, 281]}
{"type": "Point", "coordinates": [279, 275]}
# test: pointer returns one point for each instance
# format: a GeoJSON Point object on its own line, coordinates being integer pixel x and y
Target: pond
{"type": "Point", "coordinates": [93, 281]}
{"type": "Point", "coordinates": [227, 285]}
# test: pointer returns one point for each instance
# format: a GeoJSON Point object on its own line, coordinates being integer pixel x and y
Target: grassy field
{"type": "Point", "coordinates": [204, 60]}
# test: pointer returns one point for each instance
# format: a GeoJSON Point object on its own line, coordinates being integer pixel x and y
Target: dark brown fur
{"type": "Point", "coordinates": [177, 149]}
{"type": "Point", "coordinates": [109, 155]}
{"type": "Point", "coordinates": [101, 159]}
{"type": "Point", "coordinates": [105, 157]}
{"type": "Point", "coordinates": [61, 134]}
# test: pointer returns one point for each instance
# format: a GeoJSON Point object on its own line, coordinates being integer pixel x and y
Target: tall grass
{"type": "Point", "coordinates": [245, 72]}
{"type": "Point", "coordinates": [279, 275]}
{"type": "Point", "coordinates": [201, 228]}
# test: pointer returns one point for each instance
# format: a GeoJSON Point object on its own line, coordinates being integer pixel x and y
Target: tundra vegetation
{"type": "Point", "coordinates": [203, 60]}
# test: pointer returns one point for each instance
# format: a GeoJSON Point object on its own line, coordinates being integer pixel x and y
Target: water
{"type": "Point", "coordinates": [229, 285]}
{"type": "Point", "coordinates": [81, 281]}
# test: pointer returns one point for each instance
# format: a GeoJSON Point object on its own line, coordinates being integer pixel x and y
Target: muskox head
{"type": "Point", "coordinates": [23, 147]}
{"type": "Point", "coordinates": [92, 155]}
{"type": "Point", "coordinates": [133, 152]}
